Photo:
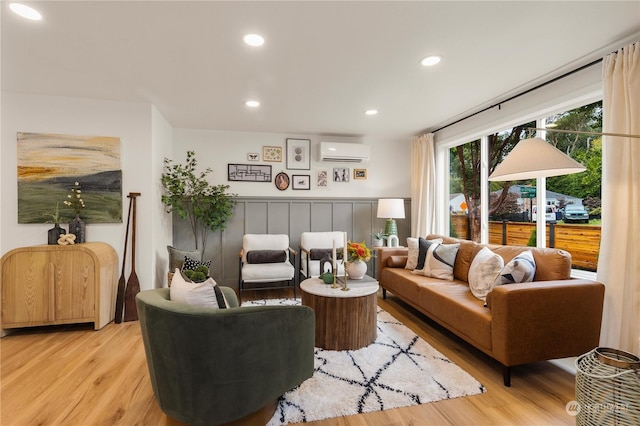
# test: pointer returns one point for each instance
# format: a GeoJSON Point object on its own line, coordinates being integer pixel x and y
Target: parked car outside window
{"type": "Point", "coordinates": [549, 215]}
{"type": "Point", "coordinates": [575, 213]}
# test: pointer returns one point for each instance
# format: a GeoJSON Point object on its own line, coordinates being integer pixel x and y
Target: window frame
{"type": "Point", "coordinates": [443, 146]}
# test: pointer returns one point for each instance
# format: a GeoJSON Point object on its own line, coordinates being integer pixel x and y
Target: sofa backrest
{"type": "Point", "coordinates": [551, 264]}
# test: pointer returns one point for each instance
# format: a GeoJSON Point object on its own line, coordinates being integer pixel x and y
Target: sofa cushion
{"type": "Point", "coordinates": [401, 282]}
{"type": "Point", "coordinates": [205, 294]}
{"type": "Point", "coordinates": [452, 305]}
{"type": "Point", "coordinates": [440, 261]}
{"type": "Point", "coordinates": [521, 269]}
{"type": "Point", "coordinates": [483, 272]}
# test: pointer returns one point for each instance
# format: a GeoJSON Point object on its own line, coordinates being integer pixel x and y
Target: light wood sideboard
{"type": "Point", "coordinates": [54, 284]}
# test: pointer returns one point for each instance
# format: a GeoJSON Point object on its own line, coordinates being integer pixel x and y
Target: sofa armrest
{"type": "Point", "coordinates": [545, 320]}
{"type": "Point", "coordinates": [384, 253]}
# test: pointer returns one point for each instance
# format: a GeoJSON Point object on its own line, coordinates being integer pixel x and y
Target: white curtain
{"type": "Point", "coordinates": [619, 261]}
{"type": "Point", "coordinates": [423, 177]}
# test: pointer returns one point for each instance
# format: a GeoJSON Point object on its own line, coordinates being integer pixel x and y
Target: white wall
{"type": "Point", "coordinates": [161, 223]}
{"type": "Point", "coordinates": [388, 174]}
{"type": "Point", "coordinates": [132, 123]}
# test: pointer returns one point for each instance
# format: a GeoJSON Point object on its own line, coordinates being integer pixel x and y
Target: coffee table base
{"type": "Point", "coordinates": [343, 323]}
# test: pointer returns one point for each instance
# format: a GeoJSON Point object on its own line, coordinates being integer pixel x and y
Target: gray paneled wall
{"type": "Point", "coordinates": [291, 216]}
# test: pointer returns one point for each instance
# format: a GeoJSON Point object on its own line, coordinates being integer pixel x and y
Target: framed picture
{"type": "Point", "coordinates": [298, 155]}
{"type": "Point", "coordinates": [359, 173]}
{"type": "Point", "coordinates": [301, 182]}
{"type": "Point", "coordinates": [282, 181]}
{"type": "Point", "coordinates": [248, 173]}
{"type": "Point", "coordinates": [253, 156]}
{"type": "Point", "coordinates": [57, 164]}
{"type": "Point", "coordinates": [272, 153]}
{"type": "Point", "coordinates": [322, 178]}
{"type": "Point", "coordinates": [340, 174]}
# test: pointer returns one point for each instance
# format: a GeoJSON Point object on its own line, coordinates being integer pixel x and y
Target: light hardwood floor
{"type": "Point", "coordinates": [73, 375]}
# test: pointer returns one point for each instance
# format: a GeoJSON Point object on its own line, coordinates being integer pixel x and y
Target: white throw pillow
{"type": "Point", "coordinates": [197, 294]}
{"type": "Point", "coordinates": [521, 269]}
{"type": "Point", "coordinates": [483, 272]}
{"type": "Point", "coordinates": [412, 255]}
{"type": "Point", "coordinates": [440, 261]}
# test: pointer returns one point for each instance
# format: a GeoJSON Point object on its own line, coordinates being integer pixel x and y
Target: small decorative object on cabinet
{"type": "Point", "coordinates": [54, 233]}
{"type": "Point", "coordinates": [77, 227]}
{"type": "Point", "coordinates": [46, 285]}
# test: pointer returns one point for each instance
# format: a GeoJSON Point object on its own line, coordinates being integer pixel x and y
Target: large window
{"type": "Point", "coordinates": [568, 205]}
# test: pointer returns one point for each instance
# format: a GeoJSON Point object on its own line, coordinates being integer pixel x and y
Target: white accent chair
{"type": "Point", "coordinates": [311, 246]}
{"type": "Point", "coordinates": [266, 258]}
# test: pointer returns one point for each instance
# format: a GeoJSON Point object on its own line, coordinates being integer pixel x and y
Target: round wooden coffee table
{"type": "Point", "coordinates": [345, 320]}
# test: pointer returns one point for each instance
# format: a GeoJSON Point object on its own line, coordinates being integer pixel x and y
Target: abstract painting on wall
{"type": "Point", "coordinates": [50, 165]}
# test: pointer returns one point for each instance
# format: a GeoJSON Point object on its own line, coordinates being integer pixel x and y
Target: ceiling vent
{"type": "Point", "coordinates": [332, 152]}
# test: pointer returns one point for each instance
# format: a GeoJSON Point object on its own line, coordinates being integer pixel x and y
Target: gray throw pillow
{"type": "Point", "coordinates": [176, 256]}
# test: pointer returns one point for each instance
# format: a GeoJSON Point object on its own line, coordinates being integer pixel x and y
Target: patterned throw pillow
{"type": "Point", "coordinates": [417, 253]}
{"type": "Point", "coordinates": [483, 272]}
{"type": "Point", "coordinates": [192, 264]}
{"type": "Point", "coordinates": [521, 269]}
{"type": "Point", "coordinates": [205, 294]}
{"type": "Point", "coordinates": [440, 260]}
{"type": "Point", "coordinates": [423, 248]}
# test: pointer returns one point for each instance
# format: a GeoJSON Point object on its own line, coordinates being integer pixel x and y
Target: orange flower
{"type": "Point", "coordinates": [357, 251]}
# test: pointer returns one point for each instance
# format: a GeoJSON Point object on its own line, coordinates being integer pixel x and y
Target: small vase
{"type": "Point", "coordinates": [356, 269]}
{"type": "Point", "coordinates": [54, 233]}
{"type": "Point", "coordinates": [77, 227]}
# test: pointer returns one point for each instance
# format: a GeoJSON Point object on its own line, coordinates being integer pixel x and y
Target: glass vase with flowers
{"type": "Point", "coordinates": [75, 201]}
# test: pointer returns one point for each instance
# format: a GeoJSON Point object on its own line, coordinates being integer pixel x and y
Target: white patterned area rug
{"type": "Point", "coordinates": [398, 370]}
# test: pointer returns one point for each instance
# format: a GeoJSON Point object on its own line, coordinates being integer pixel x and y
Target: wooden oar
{"type": "Point", "coordinates": [133, 285]}
{"type": "Point", "coordinates": [122, 283]}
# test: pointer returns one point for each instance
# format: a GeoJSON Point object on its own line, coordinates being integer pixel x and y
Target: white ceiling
{"type": "Point", "coordinates": [322, 65]}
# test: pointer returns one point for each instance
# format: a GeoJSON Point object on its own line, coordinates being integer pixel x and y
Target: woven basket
{"type": "Point", "coordinates": [608, 388]}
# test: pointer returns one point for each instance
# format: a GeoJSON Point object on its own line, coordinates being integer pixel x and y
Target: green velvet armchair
{"type": "Point", "coordinates": [213, 366]}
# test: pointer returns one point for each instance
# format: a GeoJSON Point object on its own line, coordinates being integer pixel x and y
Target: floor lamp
{"type": "Point", "coordinates": [534, 158]}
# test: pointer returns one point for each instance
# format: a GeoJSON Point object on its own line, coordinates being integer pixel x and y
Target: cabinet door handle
{"type": "Point", "coordinates": [52, 292]}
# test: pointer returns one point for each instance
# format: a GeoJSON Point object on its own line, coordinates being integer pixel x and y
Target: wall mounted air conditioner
{"type": "Point", "coordinates": [333, 152]}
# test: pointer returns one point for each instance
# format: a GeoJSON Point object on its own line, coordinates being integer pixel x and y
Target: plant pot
{"type": "Point", "coordinates": [378, 243]}
{"type": "Point", "coordinates": [356, 269]}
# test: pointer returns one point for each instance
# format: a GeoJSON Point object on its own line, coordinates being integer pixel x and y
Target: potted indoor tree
{"type": "Point", "coordinates": [190, 195]}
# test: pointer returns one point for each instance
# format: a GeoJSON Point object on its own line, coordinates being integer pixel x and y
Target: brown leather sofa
{"type": "Point", "coordinates": [555, 316]}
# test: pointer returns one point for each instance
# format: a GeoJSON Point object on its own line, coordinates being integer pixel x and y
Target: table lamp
{"type": "Point", "coordinates": [391, 209]}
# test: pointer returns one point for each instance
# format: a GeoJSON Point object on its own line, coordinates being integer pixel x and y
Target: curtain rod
{"type": "Point", "coordinates": [579, 132]}
{"type": "Point", "coordinates": [568, 73]}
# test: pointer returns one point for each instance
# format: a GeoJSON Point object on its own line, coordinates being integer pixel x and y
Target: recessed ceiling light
{"type": "Point", "coordinates": [254, 40]}
{"type": "Point", "coordinates": [25, 11]}
{"type": "Point", "coordinates": [430, 61]}
{"type": "Point", "coordinates": [371, 112]}
{"type": "Point", "coordinates": [252, 104]}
